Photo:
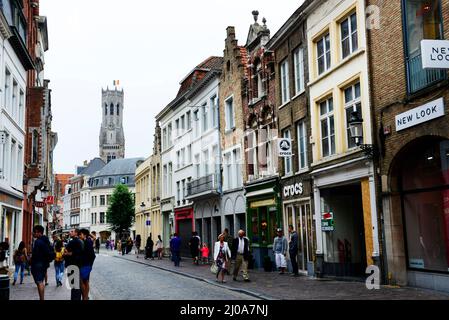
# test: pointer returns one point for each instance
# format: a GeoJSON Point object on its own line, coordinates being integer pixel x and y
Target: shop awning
{"type": "Point", "coordinates": [260, 192]}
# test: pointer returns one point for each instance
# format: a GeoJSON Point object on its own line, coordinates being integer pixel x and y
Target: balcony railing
{"type": "Point", "coordinates": [419, 78]}
{"type": "Point", "coordinates": [206, 184]}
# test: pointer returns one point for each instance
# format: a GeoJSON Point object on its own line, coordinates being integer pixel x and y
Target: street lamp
{"type": "Point", "coordinates": [356, 130]}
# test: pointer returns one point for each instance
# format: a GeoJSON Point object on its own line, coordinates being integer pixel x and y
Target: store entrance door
{"type": "Point", "coordinates": [300, 217]}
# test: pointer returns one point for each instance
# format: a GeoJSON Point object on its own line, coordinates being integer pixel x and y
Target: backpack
{"type": "Point", "coordinates": [59, 256]}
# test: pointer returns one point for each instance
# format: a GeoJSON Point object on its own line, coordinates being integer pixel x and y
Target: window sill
{"type": "Point", "coordinates": [300, 93]}
{"type": "Point", "coordinates": [184, 167]}
{"type": "Point", "coordinates": [340, 64]}
{"type": "Point", "coordinates": [228, 131]}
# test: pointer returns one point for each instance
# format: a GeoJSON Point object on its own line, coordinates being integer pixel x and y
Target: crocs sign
{"type": "Point", "coordinates": [293, 190]}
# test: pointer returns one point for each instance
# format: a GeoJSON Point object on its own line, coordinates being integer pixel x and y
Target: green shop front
{"type": "Point", "coordinates": [264, 216]}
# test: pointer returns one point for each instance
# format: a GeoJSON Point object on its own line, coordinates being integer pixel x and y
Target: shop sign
{"type": "Point", "coordinates": [293, 190]}
{"type": "Point", "coordinates": [262, 203]}
{"type": "Point", "coordinates": [435, 54]}
{"type": "Point", "coordinates": [40, 204]}
{"type": "Point", "coordinates": [424, 113]}
{"type": "Point", "coordinates": [327, 221]}
{"type": "Point", "coordinates": [416, 263]}
{"type": "Point", "coordinates": [327, 225]}
{"type": "Point", "coordinates": [285, 147]}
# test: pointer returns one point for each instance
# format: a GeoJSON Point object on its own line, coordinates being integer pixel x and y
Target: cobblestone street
{"type": "Point", "coordinates": [131, 277]}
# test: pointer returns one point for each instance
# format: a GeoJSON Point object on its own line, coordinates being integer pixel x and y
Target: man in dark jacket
{"type": "Point", "coordinates": [87, 261]}
{"type": "Point", "coordinates": [293, 249]}
{"type": "Point", "coordinates": [175, 247]}
{"type": "Point", "coordinates": [194, 244]}
{"type": "Point", "coordinates": [40, 259]}
{"type": "Point", "coordinates": [240, 254]}
{"type": "Point", "coordinates": [73, 257]}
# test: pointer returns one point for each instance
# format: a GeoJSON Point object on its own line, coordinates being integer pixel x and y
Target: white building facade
{"type": "Point", "coordinates": [12, 137]}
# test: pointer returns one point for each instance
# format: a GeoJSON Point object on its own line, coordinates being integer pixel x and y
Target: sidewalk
{"type": "Point", "coordinates": [28, 290]}
{"type": "Point", "coordinates": [271, 285]}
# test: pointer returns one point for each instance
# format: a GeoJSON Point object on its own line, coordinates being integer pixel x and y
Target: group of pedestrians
{"type": "Point", "coordinates": [77, 253]}
{"type": "Point", "coordinates": [280, 248]}
{"type": "Point", "coordinates": [149, 248]}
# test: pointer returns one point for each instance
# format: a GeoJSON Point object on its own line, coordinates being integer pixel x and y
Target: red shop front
{"type": "Point", "coordinates": [184, 225]}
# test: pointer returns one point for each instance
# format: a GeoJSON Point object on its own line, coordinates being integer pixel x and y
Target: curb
{"type": "Point", "coordinates": [244, 291]}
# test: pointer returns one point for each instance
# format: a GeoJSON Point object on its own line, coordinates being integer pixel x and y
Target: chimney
{"type": "Point", "coordinates": [230, 31]}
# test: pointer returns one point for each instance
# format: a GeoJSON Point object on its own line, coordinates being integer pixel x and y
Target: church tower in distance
{"type": "Point", "coordinates": [112, 138]}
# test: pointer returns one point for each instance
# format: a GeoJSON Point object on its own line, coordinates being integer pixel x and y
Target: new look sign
{"type": "Point", "coordinates": [427, 112]}
{"type": "Point", "coordinates": [435, 54]}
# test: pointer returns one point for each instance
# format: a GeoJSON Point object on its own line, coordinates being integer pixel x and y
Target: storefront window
{"type": "Point", "coordinates": [425, 194]}
{"type": "Point", "coordinates": [273, 224]}
{"type": "Point", "coordinates": [255, 226]}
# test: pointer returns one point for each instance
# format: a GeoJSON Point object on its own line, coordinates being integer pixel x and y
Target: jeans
{"type": "Point", "coordinates": [293, 256]}
{"type": "Point", "coordinates": [59, 270]}
{"type": "Point", "coordinates": [176, 258]}
{"type": "Point", "coordinates": [21, 267]}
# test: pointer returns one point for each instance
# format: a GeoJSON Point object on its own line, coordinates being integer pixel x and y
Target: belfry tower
{"type": "Point", "coordinates": [112, 138]}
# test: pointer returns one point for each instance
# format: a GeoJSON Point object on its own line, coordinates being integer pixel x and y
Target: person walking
{"type": "Point", "coordinates": [205, 253]}
{"type": "Point", "coordinates": [221, 256]}
{"type": "Point", "coordinates": [40, 258]}
{"type": "Point", "coordinates": [73, 258]}
{"type": "Point", "coordinates": [124, 244]}
{"type": "Point", "coordinates": [175, 247]}
{"type": "Point", "coordinates": [97, 245]}
{"type": "Point", "coordinates": [280, 246]}
{"type": "Point", "coordinates": [194, 244]}
{"type": "Point", "coordinates": [20, 257]}
{"type": "Point", "coordinates": [229, 240]}
{"type": "Point", "coordinates": [149, 248]}
{"type": "Point", "coordinates": [240, 254]}
{"type": "Point", "coordinates": [159, 247]}
{"type": "Point", "coordinates": [293, 249]}
{"type": "Point", "coordinates": [87, 261]}
{"type": "Point", "coordinates": [59, 262]}
{"type": "Point", "coordinates": [119, 245]}
{"type": "Point", "coordinates": [138, 244]}
{"type": "Point", "coordinates": [129, 245]}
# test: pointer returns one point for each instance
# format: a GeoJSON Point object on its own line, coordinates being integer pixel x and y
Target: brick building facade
{"type": "Point", "coordinates": [413, 153]}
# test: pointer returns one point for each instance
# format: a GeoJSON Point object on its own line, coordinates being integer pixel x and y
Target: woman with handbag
{"type": "Point", "coordinates": [221, 256]}
{"type": "Point", "coordinates": [20, 258]}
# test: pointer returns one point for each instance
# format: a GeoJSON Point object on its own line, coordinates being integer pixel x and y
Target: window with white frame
{"type": "Point", "coordinates": [302, 144]}
{"type": "Point", "coordinates": [178, 159]}
{"type": "Point", "coordinates": [170, 178]}
{"type": "Point", "coordinates": [164, 139]}
{"type": "Point", "coordinates": [228, 183]}
{"type": "Point", "coordinates": [287, 160]}
{"type": "Point", "coordinates": [165, 180]}
{"type": "Point", "coordinates": [13, 155]}
{"type": "Point", "coordinates": [251, 153]}
{"type": "Point", "coordinates": [21, 108]}
{"type": "Point", "coordinates": [34, 147]}
{"type": "Point", "coordinates": [237, 168]}
{"type": "Point", "coordinates": [178, 131]}
{"type": "Point", "coordinates": [178, 190]}
{"type": "Point", "coordinates": [205, 119]}
{"type": "Point", "coordinates": [184, 190]}
{"type": "Point", "coordinates": [323, 53]}
{"type": "Point", "coordinates": [169, 135]}
{"type": "Point", "coordinates": [298, 58]}
{"type": "Point", "coordinates": [183, 124]}
{"type": "Point", "coordinates": [206, 162]}
{"type": "Point", "coordinates": [189, 154]}
{"type": "Point", "coordinates": [214, 107]}
{"type": "Point", "coordinates": [196, 121]}
{"type": "Point", "coordinates": [327, 127]}
{"type": "Point", "coordinates": [15, 101]}
{"type": "Point", "coordinates": [352, 103]}
{"type": "Point", "coordinates": [197, 166]}
{"type": "Point", "coordinates": [7, 90]}
{"type": "Point", "coordinates": [183, 157]}
{"type": "Point", "coordinates": [285, 85]}
{"type": "Point", "coordinates": [349, 42]}
{"type": "Point", "coordinates": [230, 115]}
{"type": "Point", "coordinates": [20, 166]}
{"type": "Point", "coordinates": [189, 120]}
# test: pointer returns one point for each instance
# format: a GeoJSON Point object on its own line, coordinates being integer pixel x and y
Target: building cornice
{"type": "Point", "coordinates": [4, 27]}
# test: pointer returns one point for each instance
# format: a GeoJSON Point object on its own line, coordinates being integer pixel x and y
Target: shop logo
{"type": "Point", "coordinates": [72, 277]}
{"type": "Point", "coordinates": [373, 280]}
{"type": "Point", "coordinates": [293, 190]}
{"type": "Point", "coordinates": [285, 147]}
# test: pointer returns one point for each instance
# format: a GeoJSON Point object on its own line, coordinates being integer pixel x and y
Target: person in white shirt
{"type": "Point", "coordinates": [221, 256]}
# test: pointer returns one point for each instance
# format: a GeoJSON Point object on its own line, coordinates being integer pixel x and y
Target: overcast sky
{"type": "Point", "coordinates": [148, 46]}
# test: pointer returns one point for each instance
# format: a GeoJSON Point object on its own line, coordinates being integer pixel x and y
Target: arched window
{"type": "Point", "coordinates": [105, 109]}
{"type": "Point", "coordinates": [111, 109]}
{"type": "Point", "coordinates": [118, 109]}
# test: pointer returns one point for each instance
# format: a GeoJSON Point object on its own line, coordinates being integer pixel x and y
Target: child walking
{"type": "Point", "coordinates": [205, 253]}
